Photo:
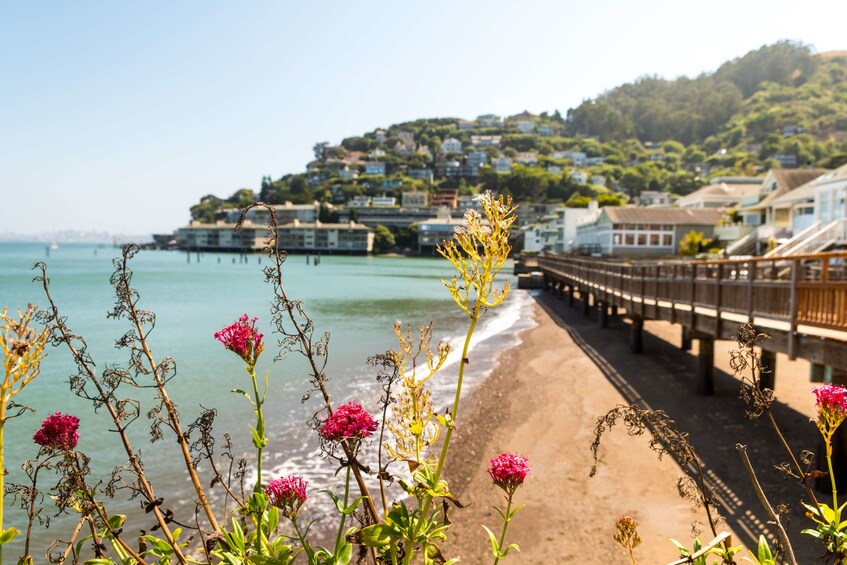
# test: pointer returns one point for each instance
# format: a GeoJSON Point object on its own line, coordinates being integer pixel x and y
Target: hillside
{"type": "Point", "coordinates": [778, 106]}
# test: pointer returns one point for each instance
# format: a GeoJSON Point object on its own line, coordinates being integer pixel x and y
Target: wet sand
{"type": "Point", "coordinates": [543, 400]}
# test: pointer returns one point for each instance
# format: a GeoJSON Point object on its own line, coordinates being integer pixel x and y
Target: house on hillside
{"type": "Point", "coordinates": [642, 232]}
{"type": "Point", "coordinates": [579, 176]}
{"type": "Point", "coordinates": [375, 169]}
{"type": "Point", "coordinates": [502, 165]}
{"type": "Point", "coordinates": [489, 120]}
{"type": "Point", "coordinates": [451, 145]}
{"type": "Point", "coordinates": [486, 140]}
{"type": "Point", "coordinates": [560, 227]}
{"type": "Point", "coordinates": [525, 126]}
{"type": "Point", "coordinates": [528, 158]}
{"type": "Point", "coordinates": [465, 124]}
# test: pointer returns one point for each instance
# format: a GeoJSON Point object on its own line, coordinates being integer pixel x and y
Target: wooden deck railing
{"type": "Point", "coordinates": [807, 289]}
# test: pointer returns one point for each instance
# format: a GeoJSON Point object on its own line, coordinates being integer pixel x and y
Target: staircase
{"type": "Point", "coordinates": [818, 239]}
{"type": "Point", "coordinates": [743, 246]}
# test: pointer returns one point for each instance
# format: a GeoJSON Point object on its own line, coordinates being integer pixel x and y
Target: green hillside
{"type": "Point", "coordinates": [778, 106]}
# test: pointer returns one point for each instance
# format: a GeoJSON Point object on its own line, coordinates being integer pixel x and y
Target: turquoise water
{"type": "Point", "coordinates": [356, 299]}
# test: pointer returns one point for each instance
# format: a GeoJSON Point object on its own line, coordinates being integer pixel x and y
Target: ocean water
{"type": "Point", "coordinates": [356, 299]}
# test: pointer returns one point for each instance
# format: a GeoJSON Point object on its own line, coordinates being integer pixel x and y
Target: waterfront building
{"type": "Point", "coordinates": [831, 196]}
{"type": "Point", "coordinates": [560, 228]}
{"type": "Point", "coordinates": [436, 231]}
{"type": "Point", "coordinates": [295, 237]}
{"type": "Point", "coordinates": [642, 232]}
{"type": "Point", "coordinates": [285, 213]}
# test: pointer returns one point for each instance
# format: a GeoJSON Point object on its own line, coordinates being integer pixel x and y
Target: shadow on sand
{"type": "Point", "coordinates": [663, 377]}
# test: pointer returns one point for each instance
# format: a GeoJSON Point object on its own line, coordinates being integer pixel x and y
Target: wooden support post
{"type": "Point", "coordinates": [561, 293]}
{"type": "Point", "coordinates": [636, 337]}
{"type": "Point", "coordinates": [603, 318]}
{"type": "Point", "coordinates": [686, 339]}
{"type": "Point", "coordinates": [767, 377]}
{"type": "Point", "coordinates": [706, 366]}
{"type": "Point", "coordinates": [614, 310]}
{"type": "Point", "coordinates": [586, 304]}
{"type": "Point", "coordinates": [571, 292]}
{"type": "Point", "coordinates": [817, 373]}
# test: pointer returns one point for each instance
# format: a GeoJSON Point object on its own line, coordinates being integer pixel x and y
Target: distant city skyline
{"type": "Point", "coordinates": [118, 117]}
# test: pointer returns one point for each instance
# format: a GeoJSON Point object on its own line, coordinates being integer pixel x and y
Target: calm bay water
{"type": "Point", "coordinates": [356, 299]}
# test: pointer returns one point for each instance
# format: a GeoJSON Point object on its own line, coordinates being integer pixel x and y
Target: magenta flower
{"type": "Point", "coordinates": [243, 338]}
{"type": "Point", "coordinates": [508, 471]}
{"type": "Point", "coordinates": [349, 421]}
{"type": "Point", "coordinates": [58, 432]}
{"type": "Point", "coordinates": [831, 401]}
{"type": "Point", "coordinates": [287, 493]}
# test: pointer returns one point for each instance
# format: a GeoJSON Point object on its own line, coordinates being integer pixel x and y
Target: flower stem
{"type": "Point", "coordinates": [832, 481]}
{"type": "Point", "coordinates": [2, 469]}
{"type": "Point", "coordinates": [343, 516]}
{"type": "Point", "coordinates": [306, 547]}
{"type": "Point", "coordinates": [505, 525]}
{"type": "Point", "coordinates": [260, 429]}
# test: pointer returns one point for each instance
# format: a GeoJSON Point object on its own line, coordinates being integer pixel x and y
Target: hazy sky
{"type": "Point", "coordinates": [118, 116]}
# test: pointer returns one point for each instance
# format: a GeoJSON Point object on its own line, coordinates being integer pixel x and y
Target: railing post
{"type": "Point", "coordinates": [751, 277]}
{"type": "Point", "coordinates": [718, 301]}
{"type": "Point", "coordinates": [792, 331]}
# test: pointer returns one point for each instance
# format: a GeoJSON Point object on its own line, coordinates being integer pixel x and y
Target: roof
{"type": "Point", "coordinates": [792, 178]}
{"type": "Point", "coordinates": [669, 215]}
{"type": "Point", "coordinates": [838, 174]}
{"type": "Point", "coordinates": [195, 225]}
{"type": "Point", "coordinates": [723, 191]}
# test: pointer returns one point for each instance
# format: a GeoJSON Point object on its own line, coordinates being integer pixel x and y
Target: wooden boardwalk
{"type": "Point", "coordinates": [801, 301]}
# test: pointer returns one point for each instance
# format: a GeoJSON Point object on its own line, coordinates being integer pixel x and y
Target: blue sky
{"type": "Point", "coordinates": [118, 116]}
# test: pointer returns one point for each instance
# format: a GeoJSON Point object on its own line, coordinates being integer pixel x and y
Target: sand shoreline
{"type": "Point", "coordinates": [543, 400]}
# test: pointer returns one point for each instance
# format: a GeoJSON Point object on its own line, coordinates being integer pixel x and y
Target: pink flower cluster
{"type": "Point", "coordinates": [287, 494]}
{"type": "Point", "coordinates": [58, 432]}
{"type": "Point", "coordinates": [508, 471]}
{"type": "Point", "coordinates": [831, 401]}
{"type": "Point", "coordinates": [349, 421]}
{"type": "Point", "coordinates": [243, 338]}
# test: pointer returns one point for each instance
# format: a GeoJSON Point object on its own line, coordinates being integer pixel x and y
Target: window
{"type": "Point", "coordinates": [667, 240]}
{"type": "Point", "coordinates": [654, 240]}
{"type": "Point", "coordinates": [642, 239]}
{"type": "Point", "coordinates": [629, 239]}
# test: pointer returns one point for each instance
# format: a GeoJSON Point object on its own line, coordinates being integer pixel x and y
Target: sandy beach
{"type": "Point", "coordinates": [543, 400]}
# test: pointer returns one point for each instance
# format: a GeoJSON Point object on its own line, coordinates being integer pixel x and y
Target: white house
{"type": "Point", "coordinates": [560, 227]}
{"type": "Point", "coordinates": [831, 196]}
{"type": "Point", "coordinates": [721, 193]}
{"type": "Point", "coordinates": [525, 126]}
{"type": "Point", "coordinates": [529, 158]}
{"type": "Point", "coordinates": [451, 145]}
{"type": "Point", "coordinates": [414, 199]}
{"type": "Point", "coordinates": [375, 169]}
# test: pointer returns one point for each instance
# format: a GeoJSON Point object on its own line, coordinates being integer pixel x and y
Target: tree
{"type": "Point", "coordinates": [694, 243]}
{"type": "Point", "coordinates": [383, 240]}
{"type": "Point", "coordinates": [320, 150]}
{"type": "Point", "coordinates": [205, 210]}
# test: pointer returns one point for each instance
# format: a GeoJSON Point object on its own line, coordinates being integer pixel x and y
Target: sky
{"type": "Point", "coordinates": [119, 116]}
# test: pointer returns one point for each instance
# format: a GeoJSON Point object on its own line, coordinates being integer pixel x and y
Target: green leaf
{"type": "Point", "coordinates": [763, 550]}
{"type": "Point", "coordinates": [495, 545]}
{"type": "Point", "coordinates": [99, 562]}
{"type": "Point", "coordinates": [265, 560]}
{"type": "Point", "coordinates": [8, 535]}
{"type": "Point", "coordinates": [116, 521]}
{"type": "Point", "coordinates": [259, 440]}
{"type": "Point", "coordinates": [344, 553]}
{"type": "Point", "coordinates": [243, 393]}
{"type": "Point", "coordinates": [376, 535]}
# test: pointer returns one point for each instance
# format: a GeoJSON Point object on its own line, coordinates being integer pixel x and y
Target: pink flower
{"type": "Point", "coordinates": [242, 338]}
{"type": "Point", "coordinates": [349, 421]}
{"type": "Point", "coordinates": [287, 493]}
{"type": "Point", "coordinates": [831, 401]}
{"type": "Point", "coordinates": [508, 471]}
{"type": "Point", "coordinates": [58, 432]}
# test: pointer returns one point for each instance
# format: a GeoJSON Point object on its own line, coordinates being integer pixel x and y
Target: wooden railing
{"type": "Point", "coordinates": [804, 289]}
